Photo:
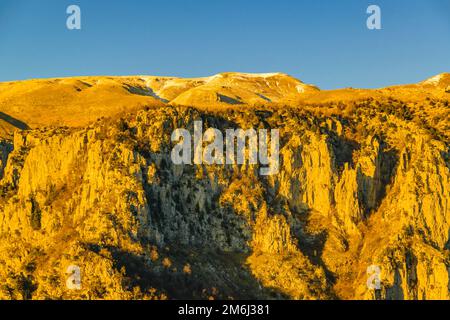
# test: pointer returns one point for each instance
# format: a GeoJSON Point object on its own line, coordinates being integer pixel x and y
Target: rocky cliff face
{"type": "Point", "coordinates": [359, 185]}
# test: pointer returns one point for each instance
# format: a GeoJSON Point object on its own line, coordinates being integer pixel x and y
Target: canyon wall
{"type": "Point", "coordinates": [352, 192]}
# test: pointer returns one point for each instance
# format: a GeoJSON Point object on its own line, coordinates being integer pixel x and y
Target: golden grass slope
{"type": "Point", "coordinates": [242, 89]}
{"type": "Point", "coordinates": [71, 102]}
{"type": "Point", "coordinates": [78, 101]}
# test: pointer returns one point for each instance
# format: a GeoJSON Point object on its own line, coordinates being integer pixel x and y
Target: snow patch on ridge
{"type": "Point", "coordinates": [434, 80]}
{"type": "Point", "coordinates": [437, 80]}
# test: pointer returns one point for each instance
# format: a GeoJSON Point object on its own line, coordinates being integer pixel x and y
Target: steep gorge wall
{"type": "Point", "coordinates": [109, 199]}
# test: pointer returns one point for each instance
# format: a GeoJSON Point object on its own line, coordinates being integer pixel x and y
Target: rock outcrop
{"type": "Point", "coordinates": [359, 185]}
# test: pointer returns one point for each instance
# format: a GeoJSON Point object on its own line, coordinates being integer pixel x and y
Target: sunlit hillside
{"type": "Point", "coordinates": [79, 101]}
{"type": "Point", "coordinates": [87, 180]}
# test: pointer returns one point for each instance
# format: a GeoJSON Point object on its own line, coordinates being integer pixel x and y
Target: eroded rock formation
{"type": "Point", "coordinates": [360, 184]}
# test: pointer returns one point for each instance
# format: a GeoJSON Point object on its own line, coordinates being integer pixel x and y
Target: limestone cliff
{"type": "Point", "coordinates": [360, 183]}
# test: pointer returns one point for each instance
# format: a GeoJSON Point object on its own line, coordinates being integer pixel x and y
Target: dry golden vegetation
{"type": "Point", "coordinates": [87, 180]}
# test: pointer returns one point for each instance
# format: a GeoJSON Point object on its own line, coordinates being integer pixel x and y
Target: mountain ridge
{"type": "Point", "coordinates": [80, 100]}
{"type": "Point", "coordinates": [87, 180]}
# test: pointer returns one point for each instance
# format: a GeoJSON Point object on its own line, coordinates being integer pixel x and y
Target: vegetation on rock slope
{"type": "Point", "coordinates": [364, 180]}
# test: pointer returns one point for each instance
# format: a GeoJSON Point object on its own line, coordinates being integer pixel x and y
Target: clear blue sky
{"type": "Point", "coordinates": [324, 42]}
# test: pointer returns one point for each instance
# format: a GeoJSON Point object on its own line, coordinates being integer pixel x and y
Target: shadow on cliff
{"type": "Point", "coordinates": [189, 273]}
{"type": "Point", "coordinates": [394, 292]}
{"type": "Point", "coordinates": [447, 246]}
{"type": "Point", "coordinates": [14, 122]}
{"type": "Point", "coordinates": [371, 190]}
{"type": "Point", "coordinates": [147, 91]}
{"type": "Point", "coordinates": [446, 156]}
